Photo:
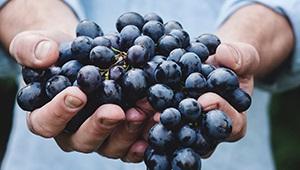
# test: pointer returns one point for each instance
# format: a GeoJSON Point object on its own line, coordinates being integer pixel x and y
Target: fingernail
{"type": "Point", "coordinates": [134, 126]}
{"type": "Point", "coordinates": [108, 122]}
{"type": "Point", "coordinates": [73, 102]}
{"type": "Point", "coordinates": [42, 49]}
{"type": "Point", "coordinates": [237, 60]}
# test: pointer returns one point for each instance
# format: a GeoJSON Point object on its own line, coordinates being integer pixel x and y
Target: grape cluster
{"type": "Point", "coordinates": [145, 58]}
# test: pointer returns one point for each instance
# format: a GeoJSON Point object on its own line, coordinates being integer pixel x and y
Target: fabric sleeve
{"type": "Point", "coordinates": [287, 76]}
{"type": "Point", "coordinates": [76, 8]}
{"type": "Point", "coordinates": [2, 2]}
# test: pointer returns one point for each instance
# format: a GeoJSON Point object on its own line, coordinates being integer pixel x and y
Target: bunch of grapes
{"type": "Point", "coordinates": [145, 58]}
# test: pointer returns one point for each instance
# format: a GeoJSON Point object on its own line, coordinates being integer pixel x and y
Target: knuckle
{"type": "Point", "coordinates": [84, 148]}
{"type": "Point", "coordinates": [39, 129]}
{"type": "Point", "coordinates": [109, 155]}
{"type": "Point", "coordinates": [125, 159]}
{"type": "Point", "coordinates": [61, 117]}
{"type": "Point", "coordinates": [65, 148]}
{"type": "Point", "coordinates": [43, 130]}
{"type": "Point", "coordinates": [135, 115]}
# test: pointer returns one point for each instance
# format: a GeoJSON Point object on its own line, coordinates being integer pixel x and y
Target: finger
{"type": "Point", "coordinates": [156, 117]}
{"type": "Point", "coordinates": [210, 101]}
{"type": "Point", "coordinates": [145, 107]}
{"type": "Point", "coordinates": [240, 57]}
{"type": "Point", "coordinates": [136, 152]}
{"type": "Point", "coordinates": [94, 131]}
{"type": "Point", "coordinates": [37, 49]}
{"type": "Point", "coordinates": [117, 145]}
{"type": "Point", "coordinates": [51, 119]}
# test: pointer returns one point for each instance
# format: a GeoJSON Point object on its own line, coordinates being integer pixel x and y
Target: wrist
{"type": "Point", "coordinates": [267, 31]}
{"type": "Point", "coordinates": [25, 15]}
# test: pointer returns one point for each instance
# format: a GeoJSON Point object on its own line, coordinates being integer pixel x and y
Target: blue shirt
{"type": "Point", "coordinates": [288, 77]}
{"type": "Point", "coordinates": [29, 152]}
{"type": "Point", "coordinates": [288, 74]}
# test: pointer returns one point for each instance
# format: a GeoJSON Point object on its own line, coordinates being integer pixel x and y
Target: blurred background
{"type": "Point", "coordinates": [8, 89]}
{"type": "Point", "coordinates": [285, 118]}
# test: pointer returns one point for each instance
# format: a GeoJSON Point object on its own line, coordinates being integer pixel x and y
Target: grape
{"type": "Point", "coordinates": [134, 84]}
{"type": "Point", "coordinates": [130, 18]}
{"type": "Point", "coordinates": [160, 137]}
{"type": "Point", "coordinates": [170, 118]}
{"type": "Point", "coordinates": [196, 85]}
{"type": "Point", "coordinates": [178, 97]}
{"type": "Point", "coordinates": [146, 42]}
{"type": "Point", "coordinates": [153, 17]}
{"type": "Point", "coordinates": [70, 69]}
{"type": "Point", "coordinates": [51, 71]}
{"type": "Point", "coordinates": [31, 97]}
{"type": "Point", "coordinates": [186, 159]}
{"type": "Point", "coordinates": [65, 53]}
{"type": "Point", "coordinates": [168, 72]}
{"type": "Point", "coordinates": [81, 48]}
{"type": "Point", "coordinates": [217, 125]}
{"type": "Point", "coordinates": [101, 41]}
{"type": "Point", "coordinates": [111, 92]}
{"type": "Point", "coordinates": [137, 56]}
{"type": "Point", "coordinates": [116, 72]}
{"type": "Point", "coordinates": [154, 29]}
{"type": "Point", "coordinates": [182, 35]}
{"type": "Point", "coordinates": [190, 63]}
{"type": "Point", "coordinates": [210, 41]}
{"type": "Point", "coordinates": [222, 79]}
{"type": "Point", "coordinates": [187, 136]}
{"type": "Point", "coordinates": [207, 69]}
{"type": "Point", "coordinates": [238, 98]}
{"type": "Point", "coordinates": [202, 145]}
{"type": "Point", "coordinates": [199, 49]}
{"type": "Point", "coordinates": [190, 109]}
{"type": "Point", "coordinates": [149, 68]}
{"type": "Point", "coordinates": [176, 54]}
{"type": "Point", "coordinates": [88, 28]}
{"type": "Point", "coordinates": [160, 96]}
{"type": "Point", "coordinates": [171, 25]}
{"type": "Point", "coordinates": [159, 59]}
{"type": "Point", "coordinates": [167, 43]}
{"type": "Point", "coordinates": [158, 162]}
{"type": "Point", "coordinates": [31, 75]}
{"type": "Point", "coordinates": [89, 79]}
{"type": "Point", "coordinates": [114, 40]}
{"type": "Point", "coordinates": [127, 36]}
{"type": "Point", "coordinates": [56, 84]}
{"type": "Point", "coordinates": [147, 154]}
{"type": "Point", "coordinates": [102, 56]}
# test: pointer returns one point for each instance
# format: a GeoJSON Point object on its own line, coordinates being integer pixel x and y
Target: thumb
{"type": "Point", "coordinates": [37, 49]}
{"type": "Point", "coordinates": [242, 58]}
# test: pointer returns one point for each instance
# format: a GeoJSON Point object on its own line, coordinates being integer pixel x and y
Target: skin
{"type": "Point", "coordinates": [249, 49]}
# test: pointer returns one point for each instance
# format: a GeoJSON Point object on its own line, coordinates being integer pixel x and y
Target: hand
{"type": "Point", "coordinates": [243, 59]}
{"type": "Point", "coordinates": [109, 131]}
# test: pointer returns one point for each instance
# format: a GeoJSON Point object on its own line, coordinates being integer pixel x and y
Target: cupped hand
{"type": "Point", "coordinates": [109, 131]}
{"type": "Point", "coordinates": [243, 59]}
